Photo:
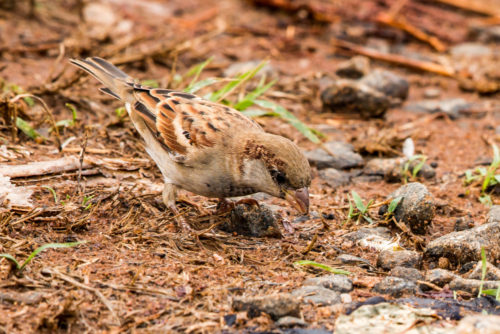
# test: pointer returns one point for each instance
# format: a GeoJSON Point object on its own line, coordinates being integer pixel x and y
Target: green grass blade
{"type": "Point", "coordinates": [11, 259]}
{"type": "Point", "coordinates": [47, 246]}
{"type": "Point", "coordinates": [257, 113]}
{"type": "Point", "coordinates": [26, 128]}
{"type": "Point", "coordinates": [358, 201]}
{"type": "Point", "coordinates": [394, 204]}
{"type": "Point", "coordinates": [290, 118]}
{"type": "Point", "coordinates": [239, 80]}
{"type": "Point", "coordinates": [152, 83]}
{"type": "Point", "coordinates": [53, 192]}
{"type": "Point", "coordinates": [249, 99]}
{"type": "Point", "coordinates": [322, 266]}
{"type": "Point", "coordinates": [193, 88]}
{"type": "Point", "coordinates": [198, 68]}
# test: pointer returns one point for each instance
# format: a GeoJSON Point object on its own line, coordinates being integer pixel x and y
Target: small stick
{"type": "Point", "coordinates": [82, 154]}
{"type": "Point", "coordinates": [474, 6]}
{"type": "Point", "coordinates": [395, 59]}
{"type": "Point", "coordinates": [311, 244]}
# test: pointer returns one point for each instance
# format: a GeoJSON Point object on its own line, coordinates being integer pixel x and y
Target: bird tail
{"type": "Point", "coordinates": [118, 83]}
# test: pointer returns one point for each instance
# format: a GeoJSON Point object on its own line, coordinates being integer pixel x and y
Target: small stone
{"type": "Point", "coordinates": [416, 208]}
{"type": "Point", "coordinates": [389, 83]}
{"type": "Point", "coordinates": [365, 232]}
{"type": "Point", "coordinates": [344, 158]}
{"type": "Point", "coordinates": [381, 166]}
{"type": "Point", "coordinates": [334, 177]}
{"type": "Point", "coordinates": [289, 321]}
{"type": "Point", "coordinates": [432, 93]}
{"type": "Point", "coordinates": [465, 246]}
{"type": "Point", "coordinates": [352, 260]}
{"type": "Point", "coordinates": [452, 107]}
{"type": "Point", "coordinates": [347, 97]}
{"type": "Point", "coordinates": [494, 214]}
{"type": "Point", "coordinates": [492, 272]}
{"type": "Point", "coordinates": [471, 50]}
{"type": "Point", "coordinates": [472, 285]}
{"type": "Point", "coordinates": [395, 286]}
{"type": "Point", "coordinates": [444, 263]}
{"type": "Point", "coordinates": [28, 298]}
{"type": "Point", "coordinates": [254, 221]}
{"type": "Point", "coordinates": [354, 68]}
{"type": "Point", "coordinates": [339, 283]}
{"type": "Point", "coordinates": [439, 277]}
{"type": "Point", "coordinates": [346, 298]}
{"type": "Point", "coordinates": [277, 305]}
{"type": "Point", "coordinates": [463, 223]}
{"type": "Point", "coordinates": [317, 295]}
{"type": "Point", "coordinates": [479, 324]}
{"type": "Point", "coordinates": [389, 259]}
{"type": "Point", "coordinates": [410, 274]}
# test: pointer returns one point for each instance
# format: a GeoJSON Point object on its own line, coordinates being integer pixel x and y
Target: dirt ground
{"type": "Point", "coordinates": [137, 270]}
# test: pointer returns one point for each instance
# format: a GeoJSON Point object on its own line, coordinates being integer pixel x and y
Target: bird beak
{"type": "Point", "coordinates": [299, 199]}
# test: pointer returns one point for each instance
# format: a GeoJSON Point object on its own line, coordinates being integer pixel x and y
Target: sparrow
{"type": "Point", "coordinates": [204, 147]}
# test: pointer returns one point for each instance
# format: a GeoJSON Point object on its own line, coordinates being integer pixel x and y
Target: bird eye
{"type": "Point", "coordinates": [278, 176]}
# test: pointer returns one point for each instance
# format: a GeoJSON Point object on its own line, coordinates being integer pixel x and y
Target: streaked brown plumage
{"type": "Point", "coordinates": [205, 147]}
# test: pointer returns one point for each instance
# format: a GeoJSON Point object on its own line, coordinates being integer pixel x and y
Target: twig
{"type": "Point", "coordinates": [401, 23]}
{"type": "Point", "coordinates": [98, 293]}
{"type": "Point", "coordinates": [80, 166]}
{"type": "Point", "coordinates": [310, 245]}
{"type": "Point", "coordinates": [395, 59]}
{"type": "Point", "coordinates": [473, 6]}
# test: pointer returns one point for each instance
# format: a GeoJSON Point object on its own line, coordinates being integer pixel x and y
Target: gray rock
{"type": "Point", "coordinates": [494, 214]}
{"type": "Point", "coordinates": [352, 260]}
{"type": "Point", "coordinates": [289, 321]}
{"type": "Point", "coordinates": [479, 324]}
{"type": "Point", "coordinates": [339, 283]}
{"type": "Point", "coordinates": [389, 259]}
{"type": "Point", "coordinates": [465, 246]}
{"type": "Point", "coordinates": [389, 83]}
{"type": "Point", "coordinates": [392, 168]}
{"type": "Point", "coordinates": [410, 274]}
{"type": "Point", "coordinates": [452, 107]}
{"type": "Point", "coordinates": [395, 286]}
{"type": "Point", "coordinates": [431, 93]}
{"type": "Point", "coordinates": [471, 285]}
{"type": "Point", "coordinates": [492, 272]}
{"type": "Point", "coordinates": [334, 177]}
{"type": "Point", "coordinates": [317, 295]}
{"type": "Point", "coordinates": [354, 68]}
{"type": "Point", "coordinates": [416, 208]}
{"type": "Point", "coordinates": [254, 221]}
{"type": "Point", "coordinates": [351, 97]}
{"type": "Point", "coordinates": [470, 50]}
{"type": "Point", "coordinates": [439, 277]}
{"type": "Point", "coordinates": [344, 158]}
{"type": "Point", "coordinates": [365, 232]}
{"type": "Point", "coordinates": [277, 305]}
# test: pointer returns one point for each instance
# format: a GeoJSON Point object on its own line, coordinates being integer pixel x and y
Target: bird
{"type": "Point", "coordinates": [204, 147]}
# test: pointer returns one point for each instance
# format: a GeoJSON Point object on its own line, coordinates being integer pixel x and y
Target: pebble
{"type": "Point", "coordinates": [353, 260]}
{"type": "Point", "coordinates": [416, 208]}
{"type": "Point", "coordinates": [289, 321]}
{"type": "Point", "coordinates": [346, 96]}
{"type": "Point", "coordinates": [410, 274]}
{"type": "Point", "coordinates": [494, 214]}
{"type": "Point", "coordinates": [344, 158]}
{"type": "Point", "coordinates": [388, 83]}
{"type": "Point", "coordinates": [395, 286]}
{"type": "Point", "coordinates": [334, 177]}
{"type": "Point", "coordinates": [470, 50]}
{"type": "Point", "coordinates": [391, 168]}
{"type": "Point", "coordinates": [253, 221]}
{"type": "Point", "coordinates": [479, 324]}
{"type": "Point", "coordinates": [276, 305]}
{"type": "Point", "coordinates": [317, 295]}
{"type": "Point", "coordinates": [339, 283]}
{"type": "Point", "coordinates": [365, 232]}
{"type": "Point", "coordinates": [472, 285]}
{"type": "Point", "coordinates": [354, 68]}
{"type": "Point", "coordinates": [431, 93]}
{"type": "Point", "coordinates": [389, 259]}
{"type": "Point", "coordinates": [492, 272]}
{"type": "Point", "coordinates": [452, 107]}
{"type": "Point", "coordinates": [28, 298]}
{"type": "Point", "coordinates": [463, 223]}
{"type": "Point", "coordinates": [465, 246]}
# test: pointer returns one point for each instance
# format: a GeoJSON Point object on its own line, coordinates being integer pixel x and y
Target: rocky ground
{"type": "Point", "coordinates": [404, 229]}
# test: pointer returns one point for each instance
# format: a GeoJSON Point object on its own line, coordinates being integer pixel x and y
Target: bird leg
{"type": "Point", "coordinates": [169, 195]}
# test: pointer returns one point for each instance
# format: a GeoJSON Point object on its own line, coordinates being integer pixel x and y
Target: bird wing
{"type": "Point", "coordinates": [186, 124]}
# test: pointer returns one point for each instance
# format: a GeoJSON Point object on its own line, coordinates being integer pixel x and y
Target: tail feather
{"type": "Point", "coordinates": [117, 82]}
